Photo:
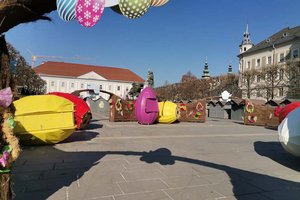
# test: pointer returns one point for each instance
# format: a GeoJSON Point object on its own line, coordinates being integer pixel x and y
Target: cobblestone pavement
{"type": "Point", "coordinates": [219, 159]}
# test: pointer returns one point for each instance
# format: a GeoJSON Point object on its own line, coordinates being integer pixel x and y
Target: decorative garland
{"type": "Point", "coordinates": [252, 118]}
{"type": "Point", "coordinates": [5, 154]}
{"type": "Point", "coordinates": [199, 107]}
{"type": "Point", "coordinates": [182, 107]}
{"type": "Point", "coordinates": [118, 105]}
{"type": "Point", "coordinates": [130, 106]}
{"type": "Point", "coordinates": [249, 107]}
{"type": "Point", "coordinates": [197, 115]}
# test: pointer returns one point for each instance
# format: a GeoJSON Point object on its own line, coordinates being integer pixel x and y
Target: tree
{"type": "Point", "coordinates": [135, 90]}
{"type": "Point", "coordinates": [293, 78]}
{"type": "Point", "coordinates": [189, 76]}
{"type": "Point", "coordinates": [273, 76]}
{"type": "Point", "coordinates": [227, 82]}
{"type": "Point", "coordinates": [24, 76]}
{"type": "Point", "coordinates": [150, 79]}
{"type": "Point", "coordinates": [13, 13]}
{"type": "Point", "coordinates": [247, 80]}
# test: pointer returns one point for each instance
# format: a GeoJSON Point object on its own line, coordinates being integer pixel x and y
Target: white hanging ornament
{"type": "Point", "coordinates": [110, 3]}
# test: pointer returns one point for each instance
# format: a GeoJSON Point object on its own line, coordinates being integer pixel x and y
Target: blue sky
{"type": "Point", "coordinates": [170, 40]}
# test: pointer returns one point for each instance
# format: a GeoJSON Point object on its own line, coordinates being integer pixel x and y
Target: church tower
{"type": "Point", "coordinates": [246, 43]}
{"type": "Point", "coordinates": [229, 69]}
{"type": "Point", "coordinates": [206, 71]}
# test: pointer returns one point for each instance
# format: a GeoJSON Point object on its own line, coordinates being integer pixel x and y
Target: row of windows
{"type": "Point", "coordinates": [280, 76]}
{"type": "Point", "coordinates": [280, 93]}
{"type": "Point", "coordinates": [62, 84]}
{"type": "Point", "coordinates": [282, 56]}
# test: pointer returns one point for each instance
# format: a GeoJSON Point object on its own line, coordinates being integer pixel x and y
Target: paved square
{"type": "Point", "coordinates": [186, 161]}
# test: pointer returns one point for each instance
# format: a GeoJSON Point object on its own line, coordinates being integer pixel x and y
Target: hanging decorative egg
{"type": "Point", "coordinates": [66, 9]}
{"type": "Point", "coordinates": [89, 12]}
{"type": "Point", "coordinates": [134, 8]}
{"type": "Point", "coordinates": [157, 3]}
{"type": "Point", "coordinates": [116, 9]}
{"type": "Point", "coordinates": [110, 3]}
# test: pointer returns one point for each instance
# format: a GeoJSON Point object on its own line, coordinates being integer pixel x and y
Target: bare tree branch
{"type": "Point", "coordinates": [15, 12]}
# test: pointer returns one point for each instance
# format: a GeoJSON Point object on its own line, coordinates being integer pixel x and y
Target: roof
{"type": "Point", "coordinates": [285, 35]}
{"type": "Point", "coordinates": [75, 70]}
{"type": "Point", "coordinates": [238, 101]}
{"type": "Point", "coordinates": [257, 101]}
{"type": "Point", "coordinates": [273, 102]}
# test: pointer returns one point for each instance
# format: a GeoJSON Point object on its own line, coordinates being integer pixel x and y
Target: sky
{"type": "Point", "coordinates": [170, 40]}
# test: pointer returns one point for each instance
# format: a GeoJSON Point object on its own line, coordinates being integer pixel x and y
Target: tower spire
{"type": "Point", "coordinates": [206, 71]}
{"type": "Point", "coordinates": [246, 43]}
{"type": "Point", "coordinates": [229, 69]}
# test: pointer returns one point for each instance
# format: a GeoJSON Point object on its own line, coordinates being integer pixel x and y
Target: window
{"type": "Point", "coordinates": [100, 87]}
{"type": "Point", "coordinates": [281, 57]}
{"type": "Point", "coordinates": [280, 92]}
{"type": "Point", "coordinates": [269, 61]}
{"type": "Point", "coordinates": [72, 85]}
{"type": "Point", "coordinates": [258, 78]}
{"type": "Point", "coordinates": [62, 84]}
{"type": "Point", "coordinates": [245, 48]}
{"type": "Point", "coordinates": [295, 53]}
{"type": "Point", "coordinates": [52, 83]}
{"type": "Point", "coordinates": [281, 74]}
{"type": "Point", "coordinates": [258, 62]}
{"type": "Point", "coordinates": [258, 94]}
{"type": "Point", "coordinates": [81, 85]}
{"type": "Point", "coordinates": [118, 88]}
{"type": "Point", "coordinates": [248, 64]}
{"type": "Point", "coordinates": [109, 87]}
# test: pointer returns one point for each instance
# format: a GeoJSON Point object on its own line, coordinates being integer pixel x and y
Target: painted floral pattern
{"type": "Point", "coordinates": [89, 12]}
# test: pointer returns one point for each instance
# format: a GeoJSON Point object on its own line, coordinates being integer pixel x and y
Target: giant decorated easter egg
{"type": "Point", "coordinates": [134, 8]}
{"type": "Point", "coordinates": [110, 3]}
{"type": "Point", "coordinates": [66, 9]}
{"type": "Point", "coordinates": [146, 107]}
{"type": "Point", "coordinates": [89, 12]}
{"type": "Point", "coordinates": [289, 132]}
{"type": "Point", "coordinates": [157, 3]}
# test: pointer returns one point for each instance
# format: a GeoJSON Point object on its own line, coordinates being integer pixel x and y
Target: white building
{"type": "Point", "coordinates": [68, 77]}
{"type": "Point", "coordinates": [273, 51]}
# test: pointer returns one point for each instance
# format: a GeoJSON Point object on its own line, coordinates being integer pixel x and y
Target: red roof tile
{"type": "Point", "coordinates": [75, 70]}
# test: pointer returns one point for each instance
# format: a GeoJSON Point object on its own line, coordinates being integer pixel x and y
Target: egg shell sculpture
{"type": "Point", "coordinates": [289, 132]}
{"type": "Point", "coordinates": [134, 8]}
{"type": "Point", "coordinates": [89, 12]}
{"type": "Point", "coordinates": [146, 107]}
{"type": "Point", "coordinates": [167, 112]}
{"type": "Point", "coordinates": [157, 3]}
{"type": "Point", "coordinates": [110, 3]}
{"type": "Point", "coordinates": [66, 9]}
{"type": "Point", "coordinates": [287, 109]}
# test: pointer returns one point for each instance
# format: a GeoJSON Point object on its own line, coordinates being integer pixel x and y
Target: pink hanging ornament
{"type": "Point", "coordinates": [6, 97]}
{"type": "Point", "coordinates": [89, 12]}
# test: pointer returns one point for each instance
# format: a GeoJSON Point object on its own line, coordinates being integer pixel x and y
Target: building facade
{"type": "Point", "coordinates": [68, 77]}
{"type": "Point", "coordinates": [263, 67]}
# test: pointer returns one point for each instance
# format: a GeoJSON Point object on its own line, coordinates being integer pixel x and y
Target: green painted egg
{"type": "Point", "coordinates": [134, 8]}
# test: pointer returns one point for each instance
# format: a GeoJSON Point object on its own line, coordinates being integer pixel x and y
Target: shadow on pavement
{"type": "Point", "coordinates": [275, 151]}
{"type": "Point", "coordinates": [46, 179]}
{"type": "Point", "coordinates": [81, 135]}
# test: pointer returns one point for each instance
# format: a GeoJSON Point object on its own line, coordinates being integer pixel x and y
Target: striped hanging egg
{"type": "Point", "coordinates": [66, 9]}
{"type": "Point", "coordinates": [134, 8]}
{"type": "Point", "coordinates": [157, 3]}
{"type": "Point", "coordinates": [89, 12]}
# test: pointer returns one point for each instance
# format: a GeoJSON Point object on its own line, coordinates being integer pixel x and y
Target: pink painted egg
{"type": "Point", "coordinates": [89, 12]}
{"type": "Point", "coordinates": [157, 3]}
